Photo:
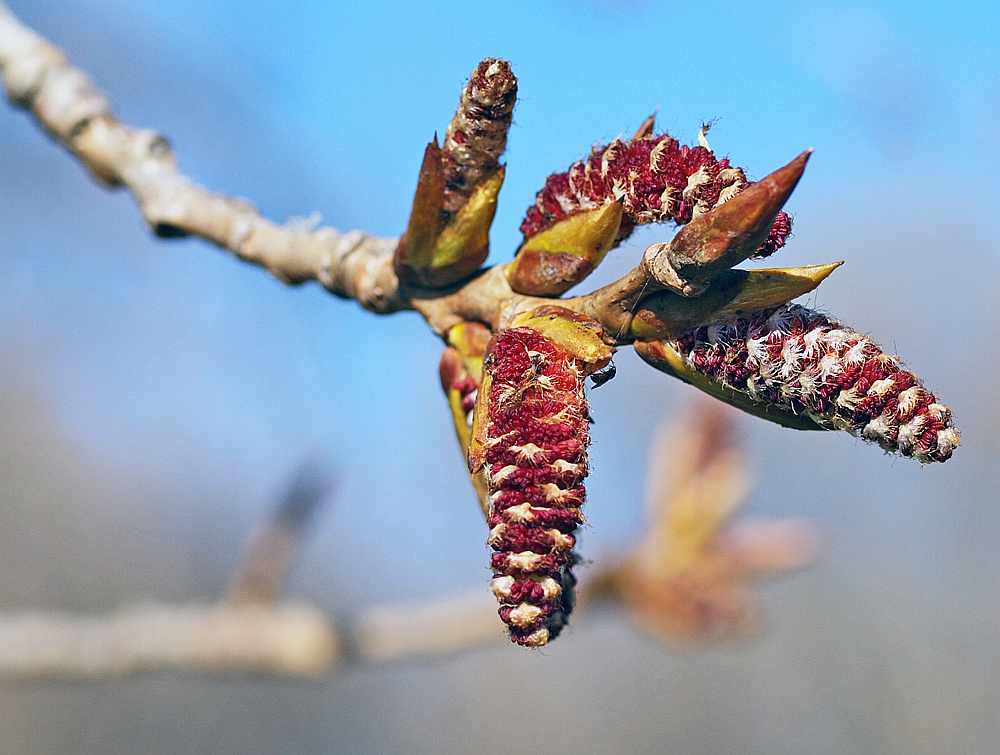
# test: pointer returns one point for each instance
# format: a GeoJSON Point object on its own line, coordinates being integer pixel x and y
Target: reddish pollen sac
{"type": "Point", "coordinates": [536, 461]}
{"type": "Point", "coordinates": [656, 178]}
{"type": "Point", "coordinates": [466, 388]}
{"type": "Point", "coordinates": [811, 365]}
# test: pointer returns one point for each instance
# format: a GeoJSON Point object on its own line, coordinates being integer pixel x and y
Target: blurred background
{"type": "Point", "coordinates": [156, 396]}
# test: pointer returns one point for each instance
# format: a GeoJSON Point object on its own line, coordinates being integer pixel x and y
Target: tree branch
{"type": "Point", "coordinates": [353, 265]}
{"type": "Point", "coordinates": [297, 640]}
{"type": "Point", "coordinates": [66, 103]}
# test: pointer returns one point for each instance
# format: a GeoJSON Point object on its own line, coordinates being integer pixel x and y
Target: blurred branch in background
{"type": "Point", "coordinates": [248, 632]}
{"type": "Point", "coordinates": [687, 580]}
{"type": "Point", "coordinates": [283, 639]}
{"type": "Point", "coordinates": [428, 628]}
{"type": "Point", "coordinates": [274, 545]}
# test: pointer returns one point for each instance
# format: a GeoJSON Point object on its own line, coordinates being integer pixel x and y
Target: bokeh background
{"type": "Point", "coordinates": [155, 396]}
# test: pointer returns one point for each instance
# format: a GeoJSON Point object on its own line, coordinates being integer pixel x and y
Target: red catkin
{"type": "Point", "coordinates": [809, 364]}
{"type": "Point", "coordinates": [477, 134]}
{"type": "Point", "coordinates": [536, 461]}
{"type": "Point", "coordinates": [656, 178]}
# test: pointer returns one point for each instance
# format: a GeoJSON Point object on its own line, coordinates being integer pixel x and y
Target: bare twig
{"type": "Point", "coordinates": [287, 639]}
{"type": "Point", "coordinates": [67, 104]}
{"type": "Point", "coordinates": [418, 629]}
{"type": "Point", "coordinates": [353, 265]}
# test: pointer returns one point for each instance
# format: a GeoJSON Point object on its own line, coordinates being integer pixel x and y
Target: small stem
{"type": "Point", "coordinates": [615, 304]}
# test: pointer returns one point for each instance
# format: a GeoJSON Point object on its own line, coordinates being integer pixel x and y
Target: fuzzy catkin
{"type": "Point", "coordinates": [536, 462]}
{"type": "Point", "coordinates": [477, 134]}
{"type": "Point", "coordinates": [805, 362]}
{"type": "Point", "coordinates": [656, 178]}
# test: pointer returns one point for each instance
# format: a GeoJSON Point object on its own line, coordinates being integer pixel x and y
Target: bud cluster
{"type": "Point", "coordinates": [804, 362]}
{"type": "Point", "coordinates": [447, 236]}
{"type": "Point", "coordinates": [655, 178]}
{"type": "Point", "coordinates": [536, 461]}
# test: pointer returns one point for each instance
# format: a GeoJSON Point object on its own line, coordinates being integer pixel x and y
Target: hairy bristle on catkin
{"type": "Point", "coordinates": [803, 361]}
{"type": "Point", "coordinates": [477, 134]}
{"type": "Point", "coordinates": [656, 178]}
{"type": "Point", "coordinates": [536, 456]}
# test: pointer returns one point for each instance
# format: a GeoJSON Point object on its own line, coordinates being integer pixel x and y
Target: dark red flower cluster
{"type": "Point", "coordinates": [536, 462]}
{"type": "Point", "coordinates": [803, 361]}
{"type": "Point", "coordinates": [656, 178]}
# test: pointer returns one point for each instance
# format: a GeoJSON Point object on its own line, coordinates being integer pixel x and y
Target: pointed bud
{"type": "Point", "coordinates": [554, 260]}
{"type": "Point", "coordinates": [435, 255]}
{"type": "Point", "coordinates": [470, 340]}
{"type": "Point", "coordinates": [732, 294]}
{"type": "Point", "coordinates": [447, 238]}
{"type": "Point", "coordinates": [645, 129]}
{"type": "Point", "coordinates": [734, 230]}
{"type": "Point", "coordinates": [416, 247]}
{"type": "Point", "coordinates": [461, 388]}
{"type": "Point", "coordinates": [464, 243]}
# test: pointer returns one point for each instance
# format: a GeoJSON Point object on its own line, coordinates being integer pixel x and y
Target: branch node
{"type": "Point", "coordinates": [657, 260]}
